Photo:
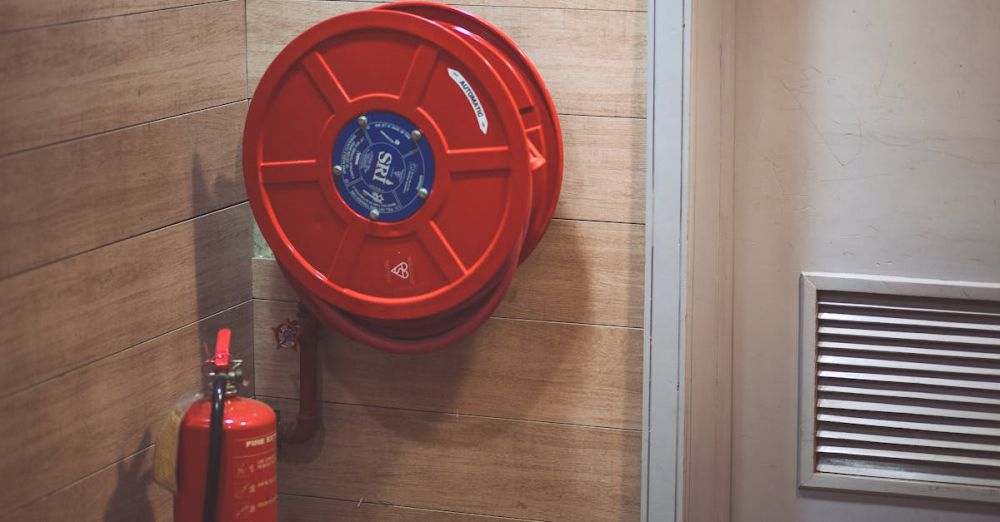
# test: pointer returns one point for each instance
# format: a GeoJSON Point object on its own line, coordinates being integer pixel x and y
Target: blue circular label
{"type": "Point", "coordinates": [380, 164]}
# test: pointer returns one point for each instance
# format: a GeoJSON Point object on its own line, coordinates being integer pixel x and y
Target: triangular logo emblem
{"type": "Point", "coordinates": [402, 270]}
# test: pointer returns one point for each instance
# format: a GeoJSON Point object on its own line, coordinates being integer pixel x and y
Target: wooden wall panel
{"type": "Point", "coordinates": [122, 492]}
{"type": "Point", "coordinates": [470, 464]}
{"type": "Point", "coordinates": [581, 272]}
{"type": "Point", "coordinates": [536, 416]}
{"type": "Point", "coordinates": [116, 185]}
{"type": "Point", "coordinates": [268, 281]}
{"type": "Point", "coordinates": [70, 313]}
{"type": "Point", "coordinates": [21, 14]}
{"type": "Point", "coordinates": [594, 62]}
{"type": "Point", "coordinates": [78, 423]}
{"type": "Point", "coordinates": [296, 508]}
{"type": "Point", "coordinates": [604, 177]}
{"type": "Point", "coordinates": [555, 372]}
{"type": "Point", "coordinates": [123, 240]}
{"type": "Point", "coordinates": [605, 5]}
{"type": "Point", "coordinates": [77, 79]}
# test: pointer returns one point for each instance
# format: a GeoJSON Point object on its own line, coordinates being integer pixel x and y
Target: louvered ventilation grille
{"type": "Point", "coordinates": [908, 388]}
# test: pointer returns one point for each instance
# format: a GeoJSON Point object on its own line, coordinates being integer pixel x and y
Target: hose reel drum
{"type": "Point", "coordinates": [401, 162]}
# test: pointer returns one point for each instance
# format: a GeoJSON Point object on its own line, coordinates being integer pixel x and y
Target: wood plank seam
{"type": "Point", "coordinates": [134, 236]}
{"type": "Point", "coordinates": [592, 220]}
{"type": "Point", "coordinates": [118, 185]}
{"type": "Point", "coordinates": [246, 54]}
{"type": "Point", "coordinates": [514, 318]}
{"type": "Point", "coordinates": [124, 127]}
{"type": "Point", "coordinates": [553, 321]}
{"type": "Point", "coordinates": [591, 115]}
{"type": "Point", "coordinates": [99, 392]}
{"type": "Point", "coordinates": [224, 225]}
{"type": "Point", "coordinates": [469, 464]}
{"type": "Point", "coordinates": [590, 131]}
{"type": "Point", "coordinates": [127, 348]}
{"type": "Point", "coordinates": [56, 491]}
{"type": "Point", "coordinates": [550, 7]}
{"type": "Point", "coordinates": [549, 368]}
{"type": "Point", "coordinates": [98, 18]}
{"type": "Point", "coordinates": [363, 501]}
{"type": "Point", "coordinates": [271, 23]}
{"type": "Point", "coordinates": [136, 68]}
{"type": "Point", "coordinates": [460, 415]}
{"type": "Point", "coordinates": [525, 319]}
{"type": "Point", "coordinates": [609, 298]}
{"type": "Point", "coordinates": [99, 466]}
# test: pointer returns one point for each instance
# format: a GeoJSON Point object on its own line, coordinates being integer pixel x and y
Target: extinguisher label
{"type": "Point", "coordinates": [470, 94]}
{"type": "Point", "coordinates": [254, 483]}
{"type": "Point", "coordinates": [260, 441]}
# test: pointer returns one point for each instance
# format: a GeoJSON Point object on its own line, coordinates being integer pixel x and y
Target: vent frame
{"type": "Point", "coordinates": [893, 482]}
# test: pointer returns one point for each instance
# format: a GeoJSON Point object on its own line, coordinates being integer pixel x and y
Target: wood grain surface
{"type": "Point", "coordinates": [469, 464]}
{"type": "Point", "coordinates": [22, 14]}
{"type": "Point", "coordinates": [593, 62]}
{"type": "Point", "coordinates": [117, 185]}
{"type": "Point", "coordinates": [296, 508]}
{"type": "Point", "coordinates": [581, 272]}
{"type": "Point", "coordinates": [537, 415]}
{"type": "Point", "coordinates": [122, 492]}
{"type": "Point", "coordinates": [604, 177]}
{"type": "Point", "coordinates": [78, 423]}
{"type": "Point", "coordinates": [72, 80]}
{"type": "Point", "coordinates": [557, 372]}
{"type": "Point", "coordinates": [65, 315]}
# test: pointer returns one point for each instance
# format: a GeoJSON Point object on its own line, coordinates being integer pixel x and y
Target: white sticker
{"type": "Point", "coordinates": [402, 270]}
{"type": "Point", "coordinates": [477, 107]}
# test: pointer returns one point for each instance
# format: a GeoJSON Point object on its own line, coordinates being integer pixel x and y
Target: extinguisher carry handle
{"type": "Point", "coordinates": [220, 361]}
{"type": "Point", "coordinates": [214, 448]}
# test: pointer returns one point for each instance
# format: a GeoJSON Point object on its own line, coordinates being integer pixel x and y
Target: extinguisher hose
{"type": "Point", "coordinates": [214, 447]}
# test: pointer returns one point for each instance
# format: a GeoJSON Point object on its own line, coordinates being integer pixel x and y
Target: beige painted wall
{"type": "Point", "coordinates": [867, 139]}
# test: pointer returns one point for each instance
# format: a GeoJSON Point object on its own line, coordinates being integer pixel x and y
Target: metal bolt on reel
{"type": "Point", "coordinates": [401, 162]}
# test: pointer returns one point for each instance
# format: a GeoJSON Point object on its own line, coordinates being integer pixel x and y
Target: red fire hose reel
{"type": "Point", "coordinates": [401, 162]}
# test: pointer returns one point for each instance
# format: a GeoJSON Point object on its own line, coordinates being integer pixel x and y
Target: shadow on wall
{"type": "Point", "coordinates": [130, 500]}
{"type": "Point", "coordinates": [136, 496]}
{"type": "Point", "coordinates": [416, 395]}
{"type": "Point", "coordinates": [442, 377]}
{"type": "Point", "coordinates": [210, 192]}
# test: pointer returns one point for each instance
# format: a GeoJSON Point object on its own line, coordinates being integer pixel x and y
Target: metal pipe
{"type": "Point", "coordinates": [306, 422]}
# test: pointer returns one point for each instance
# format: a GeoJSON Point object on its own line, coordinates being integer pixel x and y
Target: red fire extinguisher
{"type": "Point", "coordinates": [227, 459]}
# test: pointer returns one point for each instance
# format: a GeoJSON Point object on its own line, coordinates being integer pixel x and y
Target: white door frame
{"type": "Point", "coordinates": [666, 224]}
